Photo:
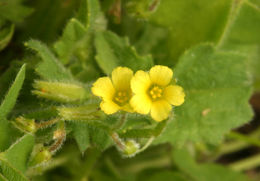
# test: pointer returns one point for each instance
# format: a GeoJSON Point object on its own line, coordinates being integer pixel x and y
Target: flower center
{"type": "Point", "coordinates": [121, 97]}
{"type": "Point", "coordinates": [155, 92]}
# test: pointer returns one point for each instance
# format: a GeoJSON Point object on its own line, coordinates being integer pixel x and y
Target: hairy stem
{"type": "Point", "coordinates": [120, 122]}
{"type": "Point", "coordinates": [45, 124]}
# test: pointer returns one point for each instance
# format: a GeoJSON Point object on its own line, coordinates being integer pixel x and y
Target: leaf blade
{"type": "Point", "coordinates": [7, 105]}
{"type": "Point", "coordinates": [50, 68]}
{"type": "Point", "coordinates": [217, 89]}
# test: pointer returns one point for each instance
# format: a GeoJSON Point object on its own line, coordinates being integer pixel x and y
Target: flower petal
{"type": "Point", "coordinates": [160, 110]}
{"type": "Point", "coordinates": [174, 94]}
{"type": "Point", "coordinates": [121, 77]}
{"type": "Point", "coordinates": [141, 103]}
{"type": "Point", "coordinates": [140, 82]}
{"type": "Point", "coordinates": [109, 107]}
{"type": "Point", "coordinates": [161, 75]}
{"type": "Point", "coordinates": [104, 88]}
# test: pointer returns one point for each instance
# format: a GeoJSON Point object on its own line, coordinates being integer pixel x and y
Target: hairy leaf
{"type": "Point", "coordinates": [217, 90]}
{"type": "Point", "coordinates": [191, 22]}
{"type": "Point", "coordinates": [10, 172]}
{"type": "Point", "coordinates": [50, 68]}
{"type": "Point", "coordinates": [91, 15]}
{"type": "Point", "coordinates": [113, 51]}
{"type": "Point", "coordinates": [72, 39]}
{"type": "Point", "coordinates": [81, 135]}
{"type": "Point", "coordinates": [242, 35]}
{"type": "Point", "coordinates": [8, 104]}
{"type": "Point", "coordinates": [18, 154]}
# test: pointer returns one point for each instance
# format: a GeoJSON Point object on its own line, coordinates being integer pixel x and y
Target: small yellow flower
{"type": "Point", "coordinates": [115, 94]}
{"type": "Point", "coordinates": [154, 93]}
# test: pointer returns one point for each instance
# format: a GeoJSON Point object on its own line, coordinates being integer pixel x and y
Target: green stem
{"type": "Point", "coordinates": [148, 143]}
{"type": "Point", "coordinates": [246, 164]}
{"type": "Point", "coordinates": [144, 133]}
{"type": "Point", "coordinates": [242, 141]}
{"type": "Point", "coordinates": [234, 9]}
{"type": "Point", "coordinates": [45, 124]}
{"type": "Point", "coordinates": [158, 162]}
{"type": "Point", "coordinates": [117, 141]}
{"type": "Point", "coordinates": [92, 155]}
{"type": "Point", "coordinates": [232, 147]}
{"type": "Point", "coordinates": [248, 139]}
{"type": "Point", "coordinates": [111, 166]}
{"type": "Point", "coordinates": [121, 122]}
{"type": "Point", "coordinates": [59, 136]}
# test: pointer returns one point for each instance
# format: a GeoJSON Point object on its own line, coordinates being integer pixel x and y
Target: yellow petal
{"type": "Point", "coordinates": [141, 103]}
{"type": "Point", "coordinates": [109, 107]}
{"type": "Point", "coordinates": [161, 75]}
{"type": "Point", "coordinates": [160, 110]}
{"type": "Point", "coordinates": [174, 94]}
{"type": "Point", "coordinates": [104, 88]}
{"type": "Point", "coordinates": [121, 77]}
{"type": "Point", "coordinates": [140, 82]}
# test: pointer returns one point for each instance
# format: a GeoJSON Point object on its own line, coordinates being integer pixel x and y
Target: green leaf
{"type": "Point", "coordinates": [6, 35]}
{"type": "Point", "coordinates": [48, 29]}
{"type": "Point", "coordinates": [10, 172]}
{"type": "Point", "coordinates": [91, 15]}
{"type": "Point", "coordinates": [8, 104]}
{"type": "Point", "coordinates": [75, 47]}
{"type": "Point", "coordinates": [242, 35]}
{"type": "Point", "coordinates": [204, 172]}
{"type": "Point", "coordinates": [190, 22]}
{"type": "Point", "coordinates": [87, 135]}
{"type": "Point", "coordinates": [90, 132]}
{"type": "Point", "coordinates": [81, 135]}
{"type": "Point", "coordinates": [99, 138]}
{"type": "Point", "coordinates": [151, 40]}
{"type": "Point", "coordinates": [113, 51]}
{"type": "Point", "coordinates": [13, 10]}
{"type": "Point", "coordinates": [12, 94]}
{"type": "Point", "coordinates": [50, 68]}
{"type": "Point", "coordinates": [18, 154]}
{"type": "Point", "coordinates": [72, 39]}
{"type": "Point", "coordinates": [243, 26]}
{"type": "Point", "coordinates": [217, 90]}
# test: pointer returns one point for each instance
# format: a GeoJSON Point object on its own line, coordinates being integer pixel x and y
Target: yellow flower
{"type": "Point", "coordinates": [153, 92]}
{"type": "Point", "coordinates": [115, 94]}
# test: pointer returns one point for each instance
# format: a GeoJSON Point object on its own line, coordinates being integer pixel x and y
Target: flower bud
{"type": "Point", "coordinates": [43, 156]}
{"type": "Point", "coordinates": [25, 125]}
{"type": "Point", "coordinates": [86, 112]}
{"type": "Point", "coordinates": [61, 92]}
{"type": "Point", "coordinates": [131, 148]}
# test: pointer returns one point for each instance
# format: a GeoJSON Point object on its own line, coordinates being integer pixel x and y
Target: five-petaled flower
{"type": "Point", "coordinates": [117, 93]}
{"type": "Point", "coordinates": [154, 93]}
